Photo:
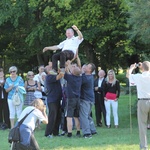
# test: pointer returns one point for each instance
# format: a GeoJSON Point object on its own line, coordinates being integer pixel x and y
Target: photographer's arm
{"type": "Point", "coordinates": [45, 115]}
{"type": "Point", "coordinates": [129, 72]}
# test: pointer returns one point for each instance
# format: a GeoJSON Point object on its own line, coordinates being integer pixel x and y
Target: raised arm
{"type": "Point", "coordinates": [68, 67]}
{"type": "Point", "coordinates": [79, 62]}
{"type": "Point", "coordinates": [59, 76]}
{"type": "Point", "coordinates": [45, 115]}
{"type": "Point", "coordinates": [78, 31]}
{"type": "Point", "coordinates": [129, 71]}
{"type": "Point", "coordinates": [53, 48]}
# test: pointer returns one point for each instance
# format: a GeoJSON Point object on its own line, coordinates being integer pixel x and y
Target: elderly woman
{"type": "Point", "coordinates": [11, 86]}
{"type": "Point", "coordinates": [37, 111]}
{"type": "Point", "coordinates": [112, 92]}
{"type": "Point", "coordinates": [31, 86]}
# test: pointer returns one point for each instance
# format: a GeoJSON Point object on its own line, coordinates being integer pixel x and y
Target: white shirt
{"type": "Point", "coordinates": [38, 78]}
{"type": "Point", "coordinates": [31, 119]}
{"type": "Point", "coordinates": [100, 82]}
{"type": "Point", "coordinates": [142, 82]}
{"type": "Point", "coordinates": [70, 44]}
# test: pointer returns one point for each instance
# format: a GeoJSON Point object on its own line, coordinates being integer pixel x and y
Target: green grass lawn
{"type": "Point", "coordinates": [124, 138]}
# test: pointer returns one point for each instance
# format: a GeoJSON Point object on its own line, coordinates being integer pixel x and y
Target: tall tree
{"type": "Point", "coordinates": [38, 23]}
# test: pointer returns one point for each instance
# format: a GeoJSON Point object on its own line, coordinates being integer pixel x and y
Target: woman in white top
{"type": "Point", "coordinates": [28, 125]}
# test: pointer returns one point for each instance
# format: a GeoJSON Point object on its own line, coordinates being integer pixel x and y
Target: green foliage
{"type": "Point", "coordinates": [121, 77]}
{"type": "Point", "coordinates": [38, 23]}
{"type": "Point", "coordinates": [140, 20]}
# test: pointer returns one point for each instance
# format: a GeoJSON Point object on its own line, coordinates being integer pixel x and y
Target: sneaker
{"type": "Point", "coordinates": [94, 133]}
{"type": "Point", "coordinates": [62, 70]}
{"type": "Point", "coordinates": [78, 135]}
{"type": "Point", "coordinates": [49, 136]}
{"type": "Point", "coordinates": [87, 136]}
{"type": "Point", "coordinates": [63, 133]}
{"type": "Point", "coordinates": [4, 126]}
{"type": "Point", "coordinates": [69, 135]}
{"type": "Point", "coordinates": [53, 72]}
{"type": "Point", "coordinates": [99, 125]}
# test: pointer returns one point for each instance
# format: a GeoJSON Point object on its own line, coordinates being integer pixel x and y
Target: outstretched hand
{"type": "Point", "coordinates": [45, 49]}
{"type": "Point", "coordinates": [75, 27]}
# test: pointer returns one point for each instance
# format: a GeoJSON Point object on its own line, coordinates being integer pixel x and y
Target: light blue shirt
{"type": "Point", "coordinates": [18, 82]}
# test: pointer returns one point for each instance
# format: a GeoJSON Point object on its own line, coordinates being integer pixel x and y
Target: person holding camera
{"type": "Point", "coordinates": [28, 140]}
{"type": "Point", "coordinates": [142, 82]}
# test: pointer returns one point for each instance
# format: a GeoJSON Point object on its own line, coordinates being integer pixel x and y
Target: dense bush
{"type": "Point", "coordinates": [122, 78]}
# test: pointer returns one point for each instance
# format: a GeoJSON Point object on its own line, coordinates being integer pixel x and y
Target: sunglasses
{"type": "Point", "coordinates": [12, 71]}
{"type": "Point", "coordinates": [30, 75]}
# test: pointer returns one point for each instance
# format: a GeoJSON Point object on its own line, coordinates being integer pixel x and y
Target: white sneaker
{"type": "Point", "coordinates": [50, 136]}
{"type": "Point", "coordinates": [62, 70]}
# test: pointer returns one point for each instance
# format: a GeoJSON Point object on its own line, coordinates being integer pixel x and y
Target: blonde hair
{"type": "Point", "coordinates": [39, 104]}
{"type": "Point", "coordinates": [28, 73]}
{"type": "Point", "coordinates": [113, 73]}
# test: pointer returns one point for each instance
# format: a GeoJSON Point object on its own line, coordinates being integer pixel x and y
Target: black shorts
{"type": "Point", "coordinates": [72, 107]}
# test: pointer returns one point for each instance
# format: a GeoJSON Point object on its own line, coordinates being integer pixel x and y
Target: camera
{"type": "Point", "coordinates": [137, 65]}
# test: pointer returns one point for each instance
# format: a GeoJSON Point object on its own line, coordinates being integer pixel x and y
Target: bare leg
{"type": "Point", "coordinates": [69, 124]}
{"type": "Point", "coordinates": [77, 123]}
{"type": "Point", "coordinates": [12, 122]}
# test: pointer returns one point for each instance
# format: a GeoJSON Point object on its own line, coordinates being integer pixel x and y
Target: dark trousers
{"type": "Point", "coordinates": [4, 112]}
{"type": "Point", "coordinates": [54, 118]}
{"type": "Point", "coordinates": [100, 109]}
{"type": "Point", "coordinates": [62, 57]}
{"type": "Point", "coordinates": [63, 121]}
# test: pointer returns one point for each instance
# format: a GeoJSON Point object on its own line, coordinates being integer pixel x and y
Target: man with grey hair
{"type": "Point", "coordinates": [69, 49]}
{"type": "Point", "coordinates": [87, 101]}
{"type": "Point", "coordinates": [142, 82]}
{"type": "Point", "coordinates": [99, 98]}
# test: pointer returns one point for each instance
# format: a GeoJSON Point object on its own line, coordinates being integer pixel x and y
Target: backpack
{"type": "Point", "coordinates": [14, 133]}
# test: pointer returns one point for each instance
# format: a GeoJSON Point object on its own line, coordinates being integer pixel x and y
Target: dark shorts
{"type": "Point", "coordinates": [72, 107]}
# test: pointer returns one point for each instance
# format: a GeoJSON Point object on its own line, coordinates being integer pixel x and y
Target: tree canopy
{"type": "Point", "coordinates": [27, 26]}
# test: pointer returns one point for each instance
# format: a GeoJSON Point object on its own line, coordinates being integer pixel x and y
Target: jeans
{"type": "Point", "coordinates": [86, 120]}
{"type": "Point", "coordinates": [114, 105]}
{"type": "Point", "coordinates": [27, 137]}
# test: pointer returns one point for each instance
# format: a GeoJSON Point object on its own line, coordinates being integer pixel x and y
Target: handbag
{"type": "Point", "coordinates": [16, 99]}
{"type": "Point", "coordinates": [14, 133]}
{"type": "Point", "coordinates": [38, 94]}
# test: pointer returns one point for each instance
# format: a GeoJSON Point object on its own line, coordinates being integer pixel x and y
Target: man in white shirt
{"type": "Point", "coordinates": [69, 48]}
{"type": "Point", "coordinates": [39, 79]}
{"type": "Point", "coordinates": [142, 82]}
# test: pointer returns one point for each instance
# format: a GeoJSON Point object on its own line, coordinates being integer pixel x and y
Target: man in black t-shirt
{"type": "Point", "coordinates": [54, 96]}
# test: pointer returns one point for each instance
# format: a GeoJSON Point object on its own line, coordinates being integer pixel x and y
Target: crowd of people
{"type": "Point", "coordinates": [68, 91]}
{"type": "Point", "coordinates": [75, 97]}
